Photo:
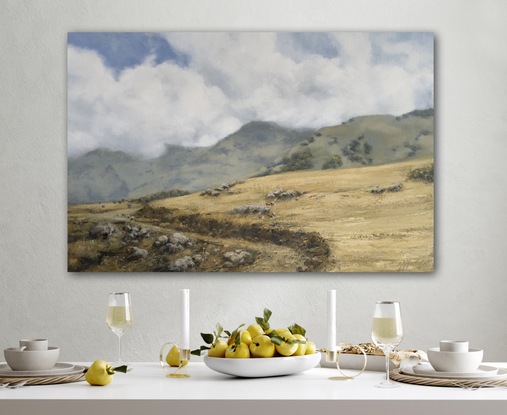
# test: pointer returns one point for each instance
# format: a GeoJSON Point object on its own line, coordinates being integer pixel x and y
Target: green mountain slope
{"type": "Point", "coordinates": [374, 139]}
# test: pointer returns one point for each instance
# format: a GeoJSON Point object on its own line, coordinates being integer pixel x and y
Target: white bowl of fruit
{"type": "Point", "coordinates": [259, 350]}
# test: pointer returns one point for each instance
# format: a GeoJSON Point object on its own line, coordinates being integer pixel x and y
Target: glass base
{"type": "Point", "coordinates": [387, 385]}
{"type": "Point", "coordinates": [178, 375]}
{"type": "Point", "coordinates": [341, 378]}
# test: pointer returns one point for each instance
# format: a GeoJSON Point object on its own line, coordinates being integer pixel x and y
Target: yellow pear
{"type": "Point", "coordinates": [310, 347]}
{"type": "Point", "coordinates": [262, 346]}
{"type": "Point", "coordinates": [283, 332]}
{"type": "Point", "coordinates": [218, 349]}
{"type": "Point", "coordinates": [286, 348]}
{"type": "Point", "coordinates": [244, 337]}
{"type": "Point", "coordinates": [301, 350]}
{"type": "Point", "coordinates": [240, 351]}
{"type": "Point", "coordinates": [255, 330]}
{"type": "Point", "coordinates": [173, 357]}
{"type": "Point", "coordinates": [100, 373]}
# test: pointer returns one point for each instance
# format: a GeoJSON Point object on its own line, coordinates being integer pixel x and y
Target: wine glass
{"type": "Point", "coordinates": [119, 316]}
{"type": "Point", "coordinates": [387, 332]}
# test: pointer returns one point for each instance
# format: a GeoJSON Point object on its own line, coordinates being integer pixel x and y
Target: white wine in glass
{"type": "Point", "coordinates": [119, 316]}
{"type": "Point", "coordinates": [387, 332]}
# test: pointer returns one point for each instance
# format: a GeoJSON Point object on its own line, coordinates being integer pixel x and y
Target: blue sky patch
{"type": "Point", "coordinates": [122, 50]}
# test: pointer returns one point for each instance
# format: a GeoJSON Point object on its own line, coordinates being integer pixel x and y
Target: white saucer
{"type": "Point", "coordinates": [57, 370]}
{"type": "Point", "coordinates": [482, 372]}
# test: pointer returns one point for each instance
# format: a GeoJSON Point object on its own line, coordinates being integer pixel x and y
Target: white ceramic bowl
{"type": "Point", "coordinates": [464, 362]}
{"type": "Point", "coordinates": [31, 359]}
{"type": "Point", "coordinates": [262, 367]}
{"type": "Point", "coordinates": [454, 346]}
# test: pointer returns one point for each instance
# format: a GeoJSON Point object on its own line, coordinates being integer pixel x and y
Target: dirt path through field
{"type": "Point", "coordinates": [211, 239]}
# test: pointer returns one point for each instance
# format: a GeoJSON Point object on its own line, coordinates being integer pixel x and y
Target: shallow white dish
{"type": "Point", "coordinates": [57, 370]}
{"type": "Point", "coordinates": [482, 372]}
{"type": "Point", "coordinates": [356, 362]}
{"type": "Point", "coordinates": [262, 367]}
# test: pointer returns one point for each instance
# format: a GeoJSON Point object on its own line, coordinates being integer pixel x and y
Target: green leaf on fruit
{"type": "Point", "coordinates": [197, 352]}
{"type": "Point", "coordinates": [276, 340]}
{"type": "Point", "coordinates": [207, 337]}
{"type": "Point", "coordinates": [267, 314]}
{"type": "Point", "coordinates": [297, 329]}
{"type": "Point", "coordinates": [235, 334]}
{"type": "Point", "coordinates": [121, 369]}
{"type": "Point", "coordinates": [263, 323]}
{"type": "Point", "coordinates": [218, 331]}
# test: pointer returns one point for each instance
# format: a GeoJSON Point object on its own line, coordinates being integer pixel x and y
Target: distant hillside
{"type": "Point", "coordinates": [368, 140]}
{"type": "Point", "coordinates": [103, 174]}
{"type": "Point", "coordinates": [256, 149]}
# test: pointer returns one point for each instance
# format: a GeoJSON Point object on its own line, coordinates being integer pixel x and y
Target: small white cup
{"type": "Point", "coordinates": [34, 344]}
{"type": "Point", "coordinates": [454, 346]}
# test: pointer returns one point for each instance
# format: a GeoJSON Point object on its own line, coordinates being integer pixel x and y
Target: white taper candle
{"type": "Point", "coordinates": [331, 320]}
{"type": "Point", "coordinates": [185, 319]}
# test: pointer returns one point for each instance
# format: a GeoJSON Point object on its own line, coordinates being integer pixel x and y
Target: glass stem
{"type": "Point", "coordinates": [388, 354]}
{"type": "Point", "coordinates": [119, 349]}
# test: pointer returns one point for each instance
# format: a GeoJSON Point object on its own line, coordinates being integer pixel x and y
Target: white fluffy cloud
{"type": "Point", "coordinates": [142, 109]}
{"type": "Point", "coordinates": [234, 78]}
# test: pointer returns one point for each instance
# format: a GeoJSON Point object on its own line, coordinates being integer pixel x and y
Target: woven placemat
{"type": "Point", "coordinates": [44, 380]}
{"type": "Point", "coordinates": [399, 376]}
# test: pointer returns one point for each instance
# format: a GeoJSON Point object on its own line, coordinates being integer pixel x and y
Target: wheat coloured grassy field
{"type": "Point", "coordinates": [336, 225]}
{"type": "Point", "coordinates": [366, 232]}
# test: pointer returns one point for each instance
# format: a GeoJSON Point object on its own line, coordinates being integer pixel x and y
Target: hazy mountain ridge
{"type": "Point", "coordinates": [257, 148]}
{"type": "Point", "coordinates": [365, 140]}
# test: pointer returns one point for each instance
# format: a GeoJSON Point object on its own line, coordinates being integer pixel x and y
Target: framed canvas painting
{"type": "Point", "coordinates": [251, 152]}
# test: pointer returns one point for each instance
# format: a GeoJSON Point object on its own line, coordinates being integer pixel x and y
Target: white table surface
{"type": "Point", "coordinates": [147, 391]}
{"type": "Point", "coordinates": [148, 381]}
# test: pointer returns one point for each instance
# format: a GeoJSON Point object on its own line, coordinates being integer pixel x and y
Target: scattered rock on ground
{"type": "Point", "coordinates": [224, 188]}
{"type": "Point", "coordinates": [281, 194]}
{"type": "Point", "coordinates": [182, 264]}
{"type": "Point", "coordinates": [180, 239]}
{"type": "Point", "coordinates": [173, 248]}
{"type": "Point", "coordinates": [173, 243]}
{"type": "Point", "coordinates": [238, 257]}
{"type": "Point", "coordinates": [391, 188]}
{"type": "Point", "coordinates": [251, 209]}
{"type": "Point", "coordinates": [139, 253]}
{"type": "Point", "coordinates": [161, 240]}
{"type": "Point", "coordinates": [102, 231]}
{"type": "Point", "coordinates": [134, 233]}
{"type": "Point", "coordinates": [395, 187]}
{"type": "Point", "coordinates": [378, 190]}
{"type": "Point", "coordinates": [197, 258]}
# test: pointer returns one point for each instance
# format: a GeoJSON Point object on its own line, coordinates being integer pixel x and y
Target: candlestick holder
{"type": "Point", "coordinates": [171, 370]}
{"type": "Point", "coordinates": [331, 356]}
{"type": "Point", "coordinates": [334, 356]}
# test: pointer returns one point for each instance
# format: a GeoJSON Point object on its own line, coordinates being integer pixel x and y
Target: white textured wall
{"type": "Point", "coordinates": [465, 298]}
